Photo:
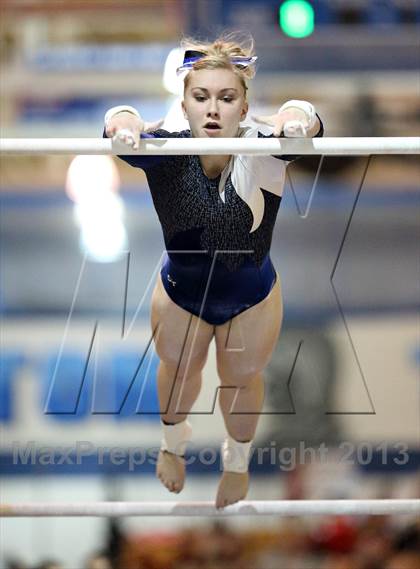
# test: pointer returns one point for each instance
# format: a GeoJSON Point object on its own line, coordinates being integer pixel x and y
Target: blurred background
{"type": "Point", "coordinates": [78, 406]}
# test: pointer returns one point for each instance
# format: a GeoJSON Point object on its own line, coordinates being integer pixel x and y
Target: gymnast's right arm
{"type": "Point", "coordinates": [125, 125]}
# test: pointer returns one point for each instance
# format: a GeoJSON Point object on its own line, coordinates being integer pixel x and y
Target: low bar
{"type": "Point", "coordinates": [251, 146]}
{"type": "Point", "coordinates": [207, 509]}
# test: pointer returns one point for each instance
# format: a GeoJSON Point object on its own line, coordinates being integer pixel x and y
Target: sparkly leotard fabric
{"type": "Point", "coordinates": [194, 217]}
{"type": "Point", "coordinates": [216, 267]}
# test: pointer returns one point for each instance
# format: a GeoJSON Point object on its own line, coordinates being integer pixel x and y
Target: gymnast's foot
{"type": "Point", "coordinates": [170, 470]}
{"type": "Point", "coordinates": [233, 486]}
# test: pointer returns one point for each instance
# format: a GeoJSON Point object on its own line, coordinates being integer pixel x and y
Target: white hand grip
{"type": "Point", "coordinates": [294, 129]}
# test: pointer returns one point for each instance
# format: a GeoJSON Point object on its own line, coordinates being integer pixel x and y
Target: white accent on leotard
{"type": "Point", "coordinates": [251, 173]}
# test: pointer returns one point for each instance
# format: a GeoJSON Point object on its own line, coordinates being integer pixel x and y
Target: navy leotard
{"type": "Point", "coordinates": [214, 267]}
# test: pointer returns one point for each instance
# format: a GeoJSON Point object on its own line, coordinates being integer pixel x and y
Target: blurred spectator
{"type": "Point", "coordinates": [98, 561]}
{"type": "Point", "coordinates": [14, 564]}
{"type": "Point", "coordinates": [409, 538]}
{"type": "Point", "coordinates": [404, 560]}
{"type": "Point", "coordinates": [336, 535]}
{"type": "Point", "coordinates": [374, 543]}
{"type": "Point", "coordinates": [115, 541]}
{"type": "Point", "coordinates": [339, 542]}
{"type": "Point", "coordinates": [219, 544]}
{"type": "Point", "coordinates": [49, 564]}
{"type": "Point", "coordinates": [341, 562]}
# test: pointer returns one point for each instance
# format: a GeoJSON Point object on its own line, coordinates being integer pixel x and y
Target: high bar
{"type": "Point", "coordinates": [343, 146]}
{"type": "Point", "coordinates": [207, 509]}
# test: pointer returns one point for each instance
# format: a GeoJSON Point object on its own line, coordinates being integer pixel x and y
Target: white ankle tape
{"type": "Point", "coordinates": [176, 437]}
{"type": "Point", "coordinates": [235, 455]}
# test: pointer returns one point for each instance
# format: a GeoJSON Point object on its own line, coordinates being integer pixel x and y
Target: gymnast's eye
{"type": "Point", "coordinates": [199, 98]}
{"type": "Point", "coordinates": [228, 99]}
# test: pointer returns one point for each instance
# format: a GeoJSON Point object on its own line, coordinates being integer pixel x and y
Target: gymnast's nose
{"type": "Point", "coordinates": [213, 110]}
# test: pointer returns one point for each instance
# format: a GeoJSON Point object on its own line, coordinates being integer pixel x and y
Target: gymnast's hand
{"type": "Point", "coordinates": [126, 128]}
{"type": "Point", "coordinates": [292, 122]}
{"type": "Point", "coordinates": [294, 118]}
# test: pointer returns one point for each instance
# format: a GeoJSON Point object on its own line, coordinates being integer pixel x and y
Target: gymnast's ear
{"type": "Point", "coordinates": [244, 111]}
{"type": "Point", "coordinates": [184, 109]}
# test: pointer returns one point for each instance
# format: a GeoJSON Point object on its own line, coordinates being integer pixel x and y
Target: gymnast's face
{"type": "Point", "coordinates": [214, 103]}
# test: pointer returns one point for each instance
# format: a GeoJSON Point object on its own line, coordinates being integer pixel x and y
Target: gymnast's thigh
{"type": "Point", "coordinates": [180, 337]}
{"type": "Point", "coordinates": [245, 344]}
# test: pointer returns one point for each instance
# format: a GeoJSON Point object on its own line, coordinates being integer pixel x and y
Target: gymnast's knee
{"type": "Point", "coordinates": [239, 376]}
{"type": "Point", "coordinates": [183, 368]}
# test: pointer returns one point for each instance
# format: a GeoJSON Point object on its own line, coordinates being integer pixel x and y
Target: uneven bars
{"type": "Point", "coordinates": [178, 146]}
{"type": "Point", "coordinates": [207, 509]}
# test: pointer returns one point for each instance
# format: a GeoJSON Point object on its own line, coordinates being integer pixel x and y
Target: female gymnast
{"type": "Point", "coordinates": [218, 281]}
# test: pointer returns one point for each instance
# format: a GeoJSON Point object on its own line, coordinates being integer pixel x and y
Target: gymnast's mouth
{"type": "Point", "coordinates": [212, 126]}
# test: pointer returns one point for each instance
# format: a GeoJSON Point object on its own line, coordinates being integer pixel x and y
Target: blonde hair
{"type": "Point", "coordinates": [219, 52]}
